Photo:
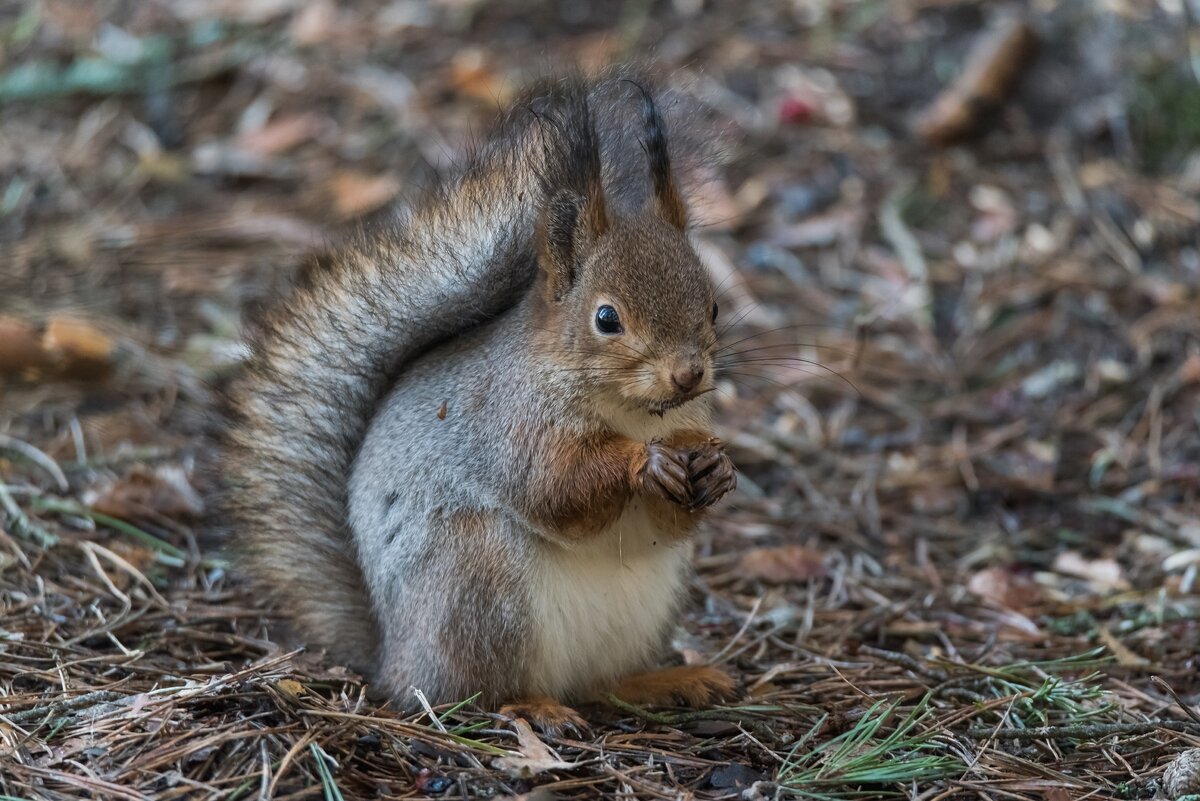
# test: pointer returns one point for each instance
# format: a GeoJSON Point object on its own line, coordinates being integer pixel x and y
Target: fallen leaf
{"type": "Point", "coordinates": [356, 193]}
{"type": "Point", "coordinates": [165, 491]}
{"type": "Point", "coordinates": [1004, 588]}
{"type": "Point", "coordinates": [993, 68]}
{"type": "Point", "coordinates": [1031, 465]}
{"type": "Point", "coordinates": [786, 563]}
{"type": "Point", "coordinates": [534, 756]}
{"type": "Point", "coordinates": [472, 75]}
{"type": "Point", "coordinates": [280, 135]}
{"type": "Point", "coordinates": [1105, 573]}
{"type": "Point", "coordinates": [1124, 656]}
{"type": "Point", "coordinates": [79, 348]}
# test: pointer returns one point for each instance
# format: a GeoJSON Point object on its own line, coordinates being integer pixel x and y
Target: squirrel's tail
{"type": "Point", "coordinates": [326, 356]}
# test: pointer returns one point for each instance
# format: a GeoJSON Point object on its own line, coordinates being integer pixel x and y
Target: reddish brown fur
{"type": "Point", "coordinates": [545, 713]}
{"type": "Point", "coordinates": [690, 685]}
{"type": "Point", "coordinates": [585, 483]}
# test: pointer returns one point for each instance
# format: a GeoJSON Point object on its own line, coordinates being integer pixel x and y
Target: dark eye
{"type": "Point", "coordinates": [714, 312]}
{"type": "Point", "coordinates": [607, 320]}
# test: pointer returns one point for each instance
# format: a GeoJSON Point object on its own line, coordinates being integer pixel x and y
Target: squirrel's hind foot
{"type": "Point", "coordinates": [547, 715]}
{"type": "Point", "coordinates": [690, 685]}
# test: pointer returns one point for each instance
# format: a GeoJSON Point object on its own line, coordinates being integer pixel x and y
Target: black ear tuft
{"type": "Point", "coordinates": [670, 203]}
{"type": "Point", "coordinates": [558, 240]}
{"type": "Point", "coordinates": [575, 213]}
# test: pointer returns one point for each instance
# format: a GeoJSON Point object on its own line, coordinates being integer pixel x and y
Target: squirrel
{"type": "Point", "coordinates": [472, 447]}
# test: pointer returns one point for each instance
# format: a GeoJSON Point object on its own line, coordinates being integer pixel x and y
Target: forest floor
{"type": "Point", "coordinates": [963, 558]}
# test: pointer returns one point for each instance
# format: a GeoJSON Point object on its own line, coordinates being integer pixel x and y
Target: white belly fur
{"type": "Point", "coordinates": [601, 607]}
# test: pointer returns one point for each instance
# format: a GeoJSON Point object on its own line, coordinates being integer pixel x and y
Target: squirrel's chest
{"type": "Point", "coordinates": [604, 608]}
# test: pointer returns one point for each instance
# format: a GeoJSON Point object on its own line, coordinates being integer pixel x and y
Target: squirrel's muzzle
{"type": "Point", "coordinates": [687, 377]}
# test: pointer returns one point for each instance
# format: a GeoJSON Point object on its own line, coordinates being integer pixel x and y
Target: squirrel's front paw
{"type": "Point", "coordinates": [711, 474]}
{"type": "Point", "coordinates": [666, 472]}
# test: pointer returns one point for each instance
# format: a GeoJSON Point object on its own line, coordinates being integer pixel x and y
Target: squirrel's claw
{"type": "Point", "coordinates": [711, 475]}
{"type": "Point", "coordinates": [705, 459]}
{"type": "Point", "coordinates": [666, 472]}
{"type": "Point", "coordinates": [547, 716]}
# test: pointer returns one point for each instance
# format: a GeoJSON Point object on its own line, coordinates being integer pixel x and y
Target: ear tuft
{"type": "Point", "coordinates": [575, 213]}
{"type": "Point", "coordinates": [558, 240]}
{"type": "Point", "coordinates": [666, 194]}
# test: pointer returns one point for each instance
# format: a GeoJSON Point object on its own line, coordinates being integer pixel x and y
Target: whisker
{"type": "Point", "coordinates": [833, 348]}
{"type": "Point", "coordinates": [742, 314]}
{"type": "Point", "coordinates": [647, 356]}
{"type": "Point", "coordinates": [775, 331]}
{"type": "Point", "coordinates": [778, 362]}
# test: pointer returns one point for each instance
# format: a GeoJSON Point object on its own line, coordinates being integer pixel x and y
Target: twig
{"type": "Point", "coordinates": [424, 702]}
{"type": "Point", "coordinates": [69, 705]}
{"type": "Point", "coordinates": [745, 625]}
{"type": "Point", "coordinates": [1087, 731]}
{"type": "Point", "coordinates": [1167, 688]}
{"type": "Point", "coordinates": [678, 718]}
{"type": "Point", "coordinates": [904, 661]}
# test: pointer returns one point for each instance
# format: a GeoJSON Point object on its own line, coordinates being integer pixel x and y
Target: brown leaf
{"type": "Point", "coordinates": [281, 135]}
{"type": "Point", "coordinates": [471, 74]}
{"type": "Point", "coordinates": [165, 491]}
{"type": "Point", "coordinates": [1029, 466]}
{"type": "Point", "coordinates": [1004, 588]}
{"type": "Point", "coordinates": [534, 757]}
{"type": "Point", "coordinates": [1106, 574]}
{"type": "Point", "coordinates": [355, 193]}
{"type": "Point", "coordinates": [79, 349]}
{"type": "Point", "coordinates": [1124, 656]}
{"type": "Point", "coordinates": [786, 563]}
{"type": "Point", "coordinates": [991, 73]}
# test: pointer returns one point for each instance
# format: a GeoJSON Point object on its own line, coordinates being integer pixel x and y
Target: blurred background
{"type": "Point", "coordinates": [961, 240]}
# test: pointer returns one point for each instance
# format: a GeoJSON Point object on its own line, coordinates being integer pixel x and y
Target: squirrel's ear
{"type": "Point", "coordinates": [667, 198]}
{"type": "Point", "coordinates": [568, 227]}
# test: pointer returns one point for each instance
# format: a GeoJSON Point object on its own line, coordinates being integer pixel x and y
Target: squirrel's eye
{"type": "Point", "coordinates": [607, 320]}
{"type": "Point", "coordinates": [714, 312]}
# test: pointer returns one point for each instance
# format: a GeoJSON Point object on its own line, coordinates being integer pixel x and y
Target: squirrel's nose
{"type": "Point", "coordinates": [688, 377]}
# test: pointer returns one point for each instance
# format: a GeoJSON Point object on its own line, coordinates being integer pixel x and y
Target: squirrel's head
{"type": "Point", "coordinates": [630, 310]}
